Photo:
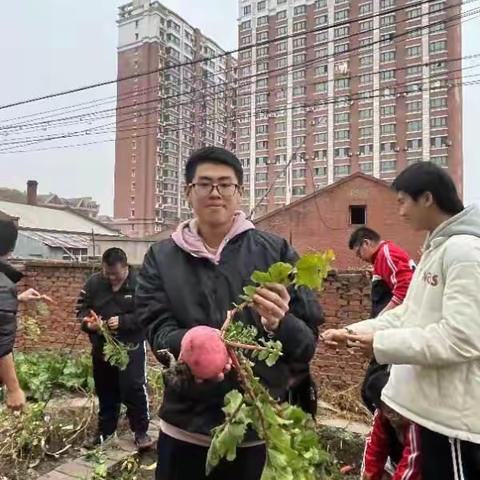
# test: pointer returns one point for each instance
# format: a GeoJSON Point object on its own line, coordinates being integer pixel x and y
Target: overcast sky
{"type": "Point", "coordinates": [52, 45]}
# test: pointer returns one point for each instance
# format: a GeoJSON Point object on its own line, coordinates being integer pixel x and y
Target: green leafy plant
{"type": "Point", "coordinates": [40, 373]}
{"type": "Point", "coordinates": [116, 353]}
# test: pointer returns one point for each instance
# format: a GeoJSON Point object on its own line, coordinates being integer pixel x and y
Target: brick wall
{"type": "Point", "coordinates": [346, 299]}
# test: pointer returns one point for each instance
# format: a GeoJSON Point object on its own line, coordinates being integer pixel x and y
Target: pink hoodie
{"type": "Point", "coordinates": [187, 237]}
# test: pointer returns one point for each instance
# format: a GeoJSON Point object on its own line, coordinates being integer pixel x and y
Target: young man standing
{"type": "Point", "coordinates": [193, 279]}
{"type": "Point", "coordinates": [392, 268]}
{"type": "Point", "coordinates": [9, 277]}
{"type": "Point", "coordinates": [433, 338]}
{"type": "Point", "coordinates": [110, 296]}
{"type": "Point", "coordinates": [392, 274]}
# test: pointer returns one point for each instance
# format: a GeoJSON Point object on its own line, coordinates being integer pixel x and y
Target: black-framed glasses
{"type": "Point", "coordinates": [225, 189]}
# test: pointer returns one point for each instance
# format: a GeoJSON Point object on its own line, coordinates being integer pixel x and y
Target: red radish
{"type": "Point", "coordinates": [203, 350]}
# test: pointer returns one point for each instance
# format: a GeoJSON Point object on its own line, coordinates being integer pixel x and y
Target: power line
{"type": "Point", "coordinates": [214, 57]}
{"type": "Point", "coordinates": [262, 111]}
{"type": "Point", "coordinates": [299, 66]}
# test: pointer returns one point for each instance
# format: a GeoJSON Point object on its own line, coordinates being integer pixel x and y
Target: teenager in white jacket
{"type": "Point", "coordinates": [433, 338]}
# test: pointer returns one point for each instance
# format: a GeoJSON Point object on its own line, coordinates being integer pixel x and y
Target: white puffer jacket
{"type": "Point", "coordinates": [433, 338]}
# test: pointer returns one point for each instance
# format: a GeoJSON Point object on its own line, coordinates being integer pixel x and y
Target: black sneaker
{"type": "Point", "coordinates": [97, 441]}
{"type": "Point", "coordinates": [143, 442]}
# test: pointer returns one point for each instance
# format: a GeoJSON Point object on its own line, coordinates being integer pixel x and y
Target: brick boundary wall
{"type": "Point", "coordinates": [345, 299]}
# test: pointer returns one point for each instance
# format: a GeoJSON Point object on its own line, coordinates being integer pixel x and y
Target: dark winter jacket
{"type": "Point", "coordinates": [177, 291]}
{"type": "Point", "coordinates": [9, 276]}
{"type": "Point", "coordinates": [97, 295]}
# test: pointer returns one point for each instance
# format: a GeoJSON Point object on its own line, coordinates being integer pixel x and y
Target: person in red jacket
{"type": "Point", "coordinates": [392, 437]}
{"type": "Point", "coordinates": [391, 264]}
{"type": "Point", "coordinates": [392, 272]}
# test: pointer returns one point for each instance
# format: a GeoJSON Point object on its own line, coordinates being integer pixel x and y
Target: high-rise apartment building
{"type": "Point", "coordinates": [165, 111]}
{"type": "Point", "coordinates": [331, 87]}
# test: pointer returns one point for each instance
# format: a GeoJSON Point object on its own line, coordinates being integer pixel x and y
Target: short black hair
{"type": "Point", "coordinates": [8, 236]}
{"type": "Point", "coordinates": [212, 155]}
{"type": "Point", "coordinates": [374, 386]}
{"type": "Point", "coordinates": [361, 234]}
{"type": "Point", "coordinates": [113, 256]}
{"type": "Point", "coordinates": [422, 177]}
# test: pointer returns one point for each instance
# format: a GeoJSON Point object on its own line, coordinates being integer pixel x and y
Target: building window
{"type": "Point", "coordinates": [320, 4]}
{"type": "Point", "coordinates": [388, 147]}
{"type": "Point", "coordinates": [321, 70]}
{"type": "Point", "coordinates": [366, 132]}
{"type": "Point", "coordinates": [366, 167]}
{"type": "Point", "coordinates": [260, 177]}
{"type": "Point", "coordinates": [365, 8]}
{"type": "Point", "coordinates": [414, 126]}
{"type": "Point", "coordinates": [414, 51]}
{"type": "Point", "coordinates": [387, 20]}
{"type": "Point", "coordinates": [279, 191]}
{"type": "Point", "coordinates": [299, 75]}
{"type": "Point", "coordinates": [342, 152]}
{"type": "Point", "coordinates": [413, 107]}
{"type": "Point", "coordinates": [280, 142]}
{"type": "Point", "coordinates": [440, 46]}
{"type": "Point", "coordinates": [282, 15]}
{"type": "Point", "coordinates": [358, 214]}
{"type": "Point", "coordinates": [298, 26]}
{"type": "Point", "coordinates": [438, 142]}
{"type": "Point", "coordinates": [387, 111]}
{"type": "Point", "coordinates": [281, 31]}
{"type": "Point", "coordinates": [261, 129]}
{"type": "Point", "coordinates": [298, 191]}
{"type": "Point", "coordinates": [321, 87]}
{"type": "Point", "coordinates": [366, 150]}
{"type": "Point", "coordinates": [320, 137]}
{"type": "Point", "coordinates": [343, 117]}
{"type": "Point", "coordinates": [387, 56]}
{"type": "Point", "coordinates": [341, 170]}
{"type": "Point", "coordinates": [387, 129]}
{"type": "Point", "coordinates": [280, 127]}
{"type": "Point", "coordinates": [321, 37]}
{"type": "Point", "coordinates": [299, 91]}
{"type": "Point", "coordinates": [299, 58]}
{"type": "Point", "coordinates": [247, 9]}
{"type": "Point", "coordinates": [438, 103]}
{"type": "Point", "coordinates": [321, 52]}
{"type": "Point", "coordinates": [366, 61]}
{"type": "Point", "coordinates": [299, 42]}
{"type": "Point", "coordinates": [300, 123]}
{"type": "Point", "coordinates": [282, 62]}
{"type": "Point", "coordinates": [321, 20]}
{"type": "Point", "coordinates": [366, 25]}
{"type": "Point", "coordinates": [365, 114]}
{"type": "Point", "coordinates": [415, 144]}
{"type": "Point", "coordinates": [262, 145]}
{"type": "Point", "coordinates": [342, 134]}
{"type": "Point", "coordinates": [261, 21]}
{"type": "Point", "coordinates": [440, 160]}
{"type": "Point", "coordinates": [438, 122]}
{"type": "Point", "coordinates": [384, 4]}
{"type": "Point", "coordinates": [298, 141]}
{"type": "Point", "coordinates": [342, 15]}
{"type": "Point", "coordinates": [366, 78]}
{"type": "Point", "coordinates": [387, 75]}
{"type": "Point", "coordinates": [437, 7]}
{"type": "Point", "coordinates": [262, 36]}
{"type": "Point", "coordinates": [320, 154]}
{"type": "Point", "coordinates": [341, 32]}
{"type": "Point", "coordinates": [388, 166]}
{"type": "Point", "coordinates": [298, 173]}
{"type": "Point", "coordinates": [414, 13]}
{"type": "Point", "coordinates": [300, 10]}
{"type": "Point", "coordinates": [342, 83]}
{"type": "Point", "coordinates": [414, 71]}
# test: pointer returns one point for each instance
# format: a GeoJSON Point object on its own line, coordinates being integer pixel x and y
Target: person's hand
{"type": "Point", "coordinates": [335, 337]}
{"type": "Point", "coordinates": [366, 476]}
{"type": "Point", "coordinates": [15, 399]}
{"type": "Point", "coordinates": [113, 323]}
{"type": "Point", "coordinates": [361, 341]}
{"type": "Point", "coordinates": [29, 295]}
{"type": "Point", "coordinates": [221, 376]}
{"type": "Point", "coordinates": [272, 304]}
{"type": "Point", "coordinates": [92, 322]}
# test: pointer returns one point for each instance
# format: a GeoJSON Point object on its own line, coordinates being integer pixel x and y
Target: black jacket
{"type": "Point", "coordinates": [177, 291]}
{"type": "Point", "coordinates": [97, 295]}
{"type": "Point", "coordinates": [9, 276]}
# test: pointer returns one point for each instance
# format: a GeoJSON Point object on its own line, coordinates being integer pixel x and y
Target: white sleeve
{"type": "Point", "coordinates": [454, 339]}
{"type": "Point", "coordinates": [390, 319]}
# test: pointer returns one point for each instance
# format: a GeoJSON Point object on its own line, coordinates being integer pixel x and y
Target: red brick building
{"type": "Point", "coordinates": [326, 218]}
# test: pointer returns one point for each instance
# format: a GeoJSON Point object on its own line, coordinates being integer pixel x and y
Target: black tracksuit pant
{"type": "Point", "coordinates": [445, 458]}
{"type": "Point", "coordinates": [179, 460]}
{"type": "Point", "coordinates": [114, 387]}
